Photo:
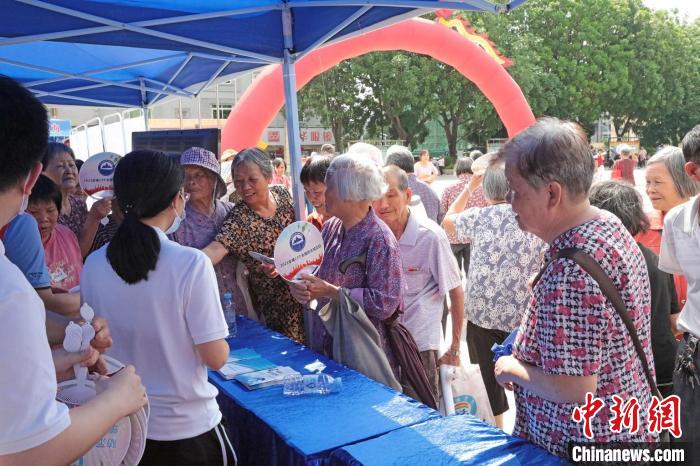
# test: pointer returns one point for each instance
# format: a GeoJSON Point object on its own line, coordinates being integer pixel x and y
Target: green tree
{"type": "Point", "coordinates": [335, 98]}
{"type": "Point", "coordinates": [400, 94]}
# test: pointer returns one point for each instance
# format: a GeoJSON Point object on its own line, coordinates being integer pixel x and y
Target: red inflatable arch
{"type": "Point", "coordinates": [263, 100]}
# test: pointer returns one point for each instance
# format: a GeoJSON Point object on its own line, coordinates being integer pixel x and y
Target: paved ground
{"type": "Point", "coordinates": [446, 180]}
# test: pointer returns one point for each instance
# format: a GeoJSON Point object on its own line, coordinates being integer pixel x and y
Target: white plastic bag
{"type": "Point", "coordinates": [464, 392]}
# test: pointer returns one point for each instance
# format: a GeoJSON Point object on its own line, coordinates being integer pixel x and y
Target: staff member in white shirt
{"type": "Point", "coordinates": [680, 254]}
{"type": "Point", "coordinates": [431, 273]}
{"type": "Point", "coordinates": [162, 302]}
{"type": "Point", "coordinates": [34, 427]}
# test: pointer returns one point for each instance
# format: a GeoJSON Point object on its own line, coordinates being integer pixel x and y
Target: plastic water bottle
{"type": "Point", "coordinates": [314, 384]}
{"type": "Point", "coordinates": [229, 313]}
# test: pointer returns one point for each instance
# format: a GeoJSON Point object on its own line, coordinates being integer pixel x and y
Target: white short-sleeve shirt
{"type": "Point", "coordinates": [680, 254]}
{"type": "Point", "coordinates": [431, 271]}
{"type": "Point", "coordinates": [29, 412]}
{"type": "Point", "coordinates": [155, 325]}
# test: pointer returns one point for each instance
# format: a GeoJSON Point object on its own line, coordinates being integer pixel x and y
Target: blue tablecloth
{"type": "Point", "coordinates": [269, 428]}
{"type": "Point", "coordinates": [445, 441]}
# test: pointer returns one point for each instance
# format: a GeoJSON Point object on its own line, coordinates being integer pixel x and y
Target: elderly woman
{"type": "Point", "coordinates": [625, 202]}
{"type": "Point", "coordinates": [667, 186]}
{"type": "Point", "coordinates": [313, 178]}
{"type": "Point", "coordinates": [253, 225]}
{"type": "Point", "coordinates": [424, 168]}
{"type": "Point", "coordinates": [59, 166]}
{"type": "Point", "coordinates": [352, 183]}
{"type": "Point", "coordinates": [205, 213]}
{"type": "Point", "coordinates": [463, 170]}
{"type": "Point", "coordinates": [61, 248]}
{"type": "Point", "coordinates": [572, 341]}
{"type": "Point", "coordinates": [503, 258]}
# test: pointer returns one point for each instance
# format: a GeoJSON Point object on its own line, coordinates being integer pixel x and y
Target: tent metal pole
{"type": "Point", "coordinates": [143, 30]}
{"type": "Point", "coordinates": [218, 108]}
{"type": "Point", "coordinates": [174, 76]}
{"type": "Point", "coordinates": [102, 103]}
{"type": "Point", "coordinates": [330, 34]}
{"type": "Point", "coordinates": [144, 109]}
{"type": "Point", "coordinates": [109, 69]}
{"type": "Point", "coordinates": [199, 112]}
{"type": "Point", "coordinates": [292, 115]}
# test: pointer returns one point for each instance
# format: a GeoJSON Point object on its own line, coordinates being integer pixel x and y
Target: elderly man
{"type": "Point", "coordinates": [401, 157]}
{"type": "Point", "coordinates": [680, 248]}
{"type": "Point", "coordinates": [430, 270]}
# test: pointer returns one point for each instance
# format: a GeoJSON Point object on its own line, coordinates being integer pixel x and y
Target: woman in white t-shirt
{"type": "Point", "coordinates": [34, 427]}
{"type": "Point", "coordinates": [162, 302]}
{"type": "Point", "coordinates": [424, 168]}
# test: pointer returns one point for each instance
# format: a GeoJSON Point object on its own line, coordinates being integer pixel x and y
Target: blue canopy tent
{"type": "Point", "coordinates": [130, 53]}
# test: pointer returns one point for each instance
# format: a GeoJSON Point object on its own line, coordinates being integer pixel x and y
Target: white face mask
{"type": "Point", "coordinates": [177, 221]}
{"type": "Point", "coordinates": [25, 201]}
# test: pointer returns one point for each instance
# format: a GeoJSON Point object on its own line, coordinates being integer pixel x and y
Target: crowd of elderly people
{"type": "Point", "coordinates": [573, 267]}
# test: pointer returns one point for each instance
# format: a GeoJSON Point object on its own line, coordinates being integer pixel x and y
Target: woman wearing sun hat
{"type": "Point", "coordinates": [205, 213]}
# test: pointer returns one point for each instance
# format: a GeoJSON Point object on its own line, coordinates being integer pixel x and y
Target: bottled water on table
{"type": "Point", "coordinates": [229, 313]}
{"type": "Point", "coordinates": [314, 384]}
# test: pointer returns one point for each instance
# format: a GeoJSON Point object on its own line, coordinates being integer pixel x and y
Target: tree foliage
{"type": "Point", "coordinates": [574, 59]}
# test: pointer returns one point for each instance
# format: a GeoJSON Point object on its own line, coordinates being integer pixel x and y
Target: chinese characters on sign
{"type": "Point", "coordinates": [662, 415]}
{"type": "Point", "coordinates": [308, 136]}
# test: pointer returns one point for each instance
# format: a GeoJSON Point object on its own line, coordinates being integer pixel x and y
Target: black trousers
{"type": "Point", "coordinates": [462, 254]}
{"type": "Point", "coordinates": [479, 342]}
{"type": "Point", "coordinates": [210, 448]}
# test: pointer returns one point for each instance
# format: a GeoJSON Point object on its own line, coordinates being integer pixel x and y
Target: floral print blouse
{"type": "Point", "coordinates": [378, 286]}
{"type": "Point", "coordinates": [244, 231]}
{"type": "Point", "coordinates": [503, 258]}
{"type": "Point", "coordinates": [75, 221]}
{"type": "Point", "coordinates": [570, 328]}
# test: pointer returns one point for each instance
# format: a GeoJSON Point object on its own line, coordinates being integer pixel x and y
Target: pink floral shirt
{"type": "Point", "coordinates": [63, 258]}
{"type": "Point", "coordinates": [450, 194]}
{"type": "Point", "coordinates": [570, 328]}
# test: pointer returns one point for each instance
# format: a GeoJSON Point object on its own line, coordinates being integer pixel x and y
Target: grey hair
{"type": "Point", "coordinates": [463, 165]}
{"type": "Point", "coordinates": [673, 160]}
{"type": "Point", "coordinates": [399, 175]}
{"type": "Point", "coordinates": [256, 157]}
{"type": "Point", "coordinates": [368, 151]}
{"type": "Point", "coordinates": [495, 183]}
{"type": "Point", "coordinates": [401, 157]}
{"type": "Point", "coordinates": [355, 178]}
{"type": "Point", "coordinates": [475, 154]}
{"type": "Point", "coordinates": [552, 150]}
{"type": "Point", "coordinates": [623, 201]}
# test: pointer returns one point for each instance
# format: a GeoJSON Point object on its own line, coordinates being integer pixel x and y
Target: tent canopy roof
{"type": "Point", "coordinates": [135, 53]}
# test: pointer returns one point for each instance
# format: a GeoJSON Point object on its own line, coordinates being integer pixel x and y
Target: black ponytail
{"type": "Point", "coordinates": [145, 183]}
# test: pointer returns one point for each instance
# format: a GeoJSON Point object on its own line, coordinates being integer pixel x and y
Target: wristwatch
{"type": "Point", "coordinates": [453, 353]}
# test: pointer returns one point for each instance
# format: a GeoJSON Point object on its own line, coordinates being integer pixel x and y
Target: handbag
{"type": "Point", "coordinates": [464, 392]}
{"type": "Point", "coordinates": [402, 344]}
